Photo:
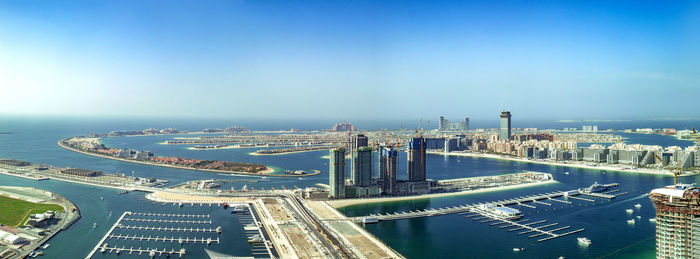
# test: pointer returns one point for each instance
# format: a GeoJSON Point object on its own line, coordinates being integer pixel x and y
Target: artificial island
{"type": "Point", "coordinates": [305, 222]}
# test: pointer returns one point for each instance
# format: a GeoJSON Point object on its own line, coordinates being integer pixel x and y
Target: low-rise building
{"type": "Point", "coordinates": [81, 172]}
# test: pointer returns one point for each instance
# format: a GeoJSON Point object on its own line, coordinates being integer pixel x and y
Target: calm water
{"type": "Point", "coordinates": [451, 236]}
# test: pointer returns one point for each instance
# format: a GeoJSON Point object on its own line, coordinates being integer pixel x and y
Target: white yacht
{"type": "Point", "coordinates": [583, 240]}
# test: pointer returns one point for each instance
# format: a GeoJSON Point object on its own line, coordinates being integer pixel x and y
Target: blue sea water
{"type": "Point", "coordinates": [453, 236]}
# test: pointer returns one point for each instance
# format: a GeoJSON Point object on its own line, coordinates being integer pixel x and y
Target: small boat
{"type": "Point", "coordinates": [653, 220]}
{"type": "Point", "coordinates": [584, 241]}
{"type": "Point", "coordinates": [639, 217]}
{"type": "Point", "coordinates": [45, 246]}
{"type": "Point", "coordinates": [566, 172]}
{"type": "Point", "coordinates": [180, 204]}
{"type": "Point", "coordinates": [516, 249]}
{"type": "Point", "coordinates": [630, 221]}
{"type": "Point", "coordinates": [218, 229]}
{"type": "Point", "coordinates": [102, 198]}
{"type": "Point", "coordinates": [225, 205]}
{"type": "Point", "coordinates": [629, 211]}
{"type": "Point", "coordinates": [240, 209]}
{"type": "Point", "coordinates": [152, 253]}
{"type": "Point", "coordinates": [637, 205]}
{"type": "Point", "coordinates": [94, 225]}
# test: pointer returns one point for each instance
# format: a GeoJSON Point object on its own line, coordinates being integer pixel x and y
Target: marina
{"type": "Point", "coordinates": [110, 237]}
{"type": "Point", "coordinates": [521, 201]}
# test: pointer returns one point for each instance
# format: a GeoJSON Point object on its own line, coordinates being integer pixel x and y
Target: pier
{"type": "Point", "coordinates": [526, 201]}
{"type": "Point", "coordinates": [171, 215]}
{"type": "Point", "coordinates": [169, 221]}
{"type": "Point", "coordinates": [180, 240]}
{"type": "Point", "coordinates": [171, 229]}
{"type": "Point", "coordinates": [140, 251]}
{"type": "Point", "coordinates": [103, 247]}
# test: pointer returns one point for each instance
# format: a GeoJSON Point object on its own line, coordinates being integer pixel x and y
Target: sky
{"type": "Point", "coordinates": [559, 60]}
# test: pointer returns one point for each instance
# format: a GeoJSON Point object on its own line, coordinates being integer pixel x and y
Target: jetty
{"type": "Point", "coordinates": [525, 201]}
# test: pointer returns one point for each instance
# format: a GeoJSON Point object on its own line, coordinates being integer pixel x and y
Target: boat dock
{"type": "Point", "coordinates": [525, 201]}
{"type": "Point", "coordinates": [103, 247]}
{"type": "Point", "coordinates": [180, 240]}
{"type": "Point", "coordinates": [171, 229]}
{"type": "Point", "coordinates": [169, 221]}
{"type": "Point", "coordinates": [261, 246]}
{"type": "Point", "coordinates": [147, 251]}
{"type": "Point", "coordinates": [171, 215]}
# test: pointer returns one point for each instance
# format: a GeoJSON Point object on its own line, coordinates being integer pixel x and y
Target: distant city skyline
{"type": "Point", "coordinates": [350, 60]}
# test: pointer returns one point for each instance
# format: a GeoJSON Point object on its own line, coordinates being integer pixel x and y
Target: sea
{"type": "Point", "coordinates": [605, 222]}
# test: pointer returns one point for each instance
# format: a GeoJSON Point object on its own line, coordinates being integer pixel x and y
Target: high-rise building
{"type": "Point", "coordinates": [677, 221]}
{"type": "Point", "coordinates": [357, 141]}
{"type": "Point", "coordinates": [466, 124]}
{"type": "Point", "coordinates": [337, 173]}
{"type": "Point", "coordinates": [362, 166]}
{"type": "Point", "coordinates": [360, 140]}
{"type": "Point", "coordinates": [416, 159]}
{"type": "Point", "coordinates": [505, 126]}
{"type": "Point", "coordinates": [441, 123]}
{"type": "Point", "coordinates": [387, 169]}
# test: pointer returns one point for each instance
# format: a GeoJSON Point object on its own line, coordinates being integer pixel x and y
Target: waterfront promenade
{"type": "Point", "coordinates": [573, 164]}
{"type": "Point", "coordinates": [350, 202]}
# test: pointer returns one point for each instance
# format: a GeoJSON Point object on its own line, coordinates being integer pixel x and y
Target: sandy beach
{"type": "Point", "coordinates": [570, 164]}
{"type": "Point", "coordinates": [350, 202]}
{"type": "Point", "coordinates": [286, 153]}
{"type": "Point", "coordinates": [267, 172]}
{"type": "Point", "coordinates": [215, 148]}
{"type": "Point", "coordinates": [186, 198]}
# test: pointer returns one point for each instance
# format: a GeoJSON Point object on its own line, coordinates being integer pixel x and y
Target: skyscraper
{"type": "Point", "coordinates": [337, 173]}
{"type": "Point", "coordinates": [466, 124]}
{"type": "Point", "coordinates": [416, 159]}
{"type": "Point", "coordinates": [677, 221]}
{"type": "Point", "coordinates": [362, 166]}
{"type": "Point", "coordinates": [387, 169]}
{"type": "Point", "coordinates": [441, 123]}
{"type": "Point", "coordinates": [505, 126]}
{"type": "Point", "coordinates": [357, 141]}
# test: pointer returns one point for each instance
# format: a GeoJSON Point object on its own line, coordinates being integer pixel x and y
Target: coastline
{"type": "Point", "coordinates": [285, 153]}
{"type": "Point", "coordinates": [267, 172]}
{"type": "Point", "coordinates": [350, 202]}
{"type": "Point", "coordinates": [553, 163]}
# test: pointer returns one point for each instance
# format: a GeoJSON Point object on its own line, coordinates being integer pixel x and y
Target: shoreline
{"type": "Point", "coordinates": [267, 172]}
{"type": "Point", "coordinates": [553, 163]}
{"type": "Point", "coordinates": [123, 188]}
{"type": "Point", "coordinates": [285, 153]}
{"type": "Point", "coordinates": [351, 202]}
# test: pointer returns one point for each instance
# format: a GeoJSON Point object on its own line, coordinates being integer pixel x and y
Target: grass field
{"type": "Point", "coordinates": [14, 212]}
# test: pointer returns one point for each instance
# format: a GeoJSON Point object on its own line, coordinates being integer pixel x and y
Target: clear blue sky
{"type": "Point", "coordinates": [351, 59]}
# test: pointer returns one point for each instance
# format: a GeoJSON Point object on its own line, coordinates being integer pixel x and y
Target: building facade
{"type": "Point", "coordinates": [416, 159]}
{"type": "Point", "coordinates": [677, 221]}
{"type": "Point", "coordinates": [362, 166]}
{"type": "Point", "coordinates": [387, 169]}
{"type": "Point", "coordinates": [505, 126]}
{"type": "Point", "coordinates": [337, 173]}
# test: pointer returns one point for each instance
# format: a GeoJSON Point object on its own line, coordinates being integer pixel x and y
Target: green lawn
{"type": "Point", "coordinates": [14, 212]}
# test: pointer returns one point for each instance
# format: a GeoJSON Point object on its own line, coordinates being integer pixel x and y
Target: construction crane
{"type": "Point", "coordinates": [696, 136]}
{"type": "Point", "coordinates": [675, 174]}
